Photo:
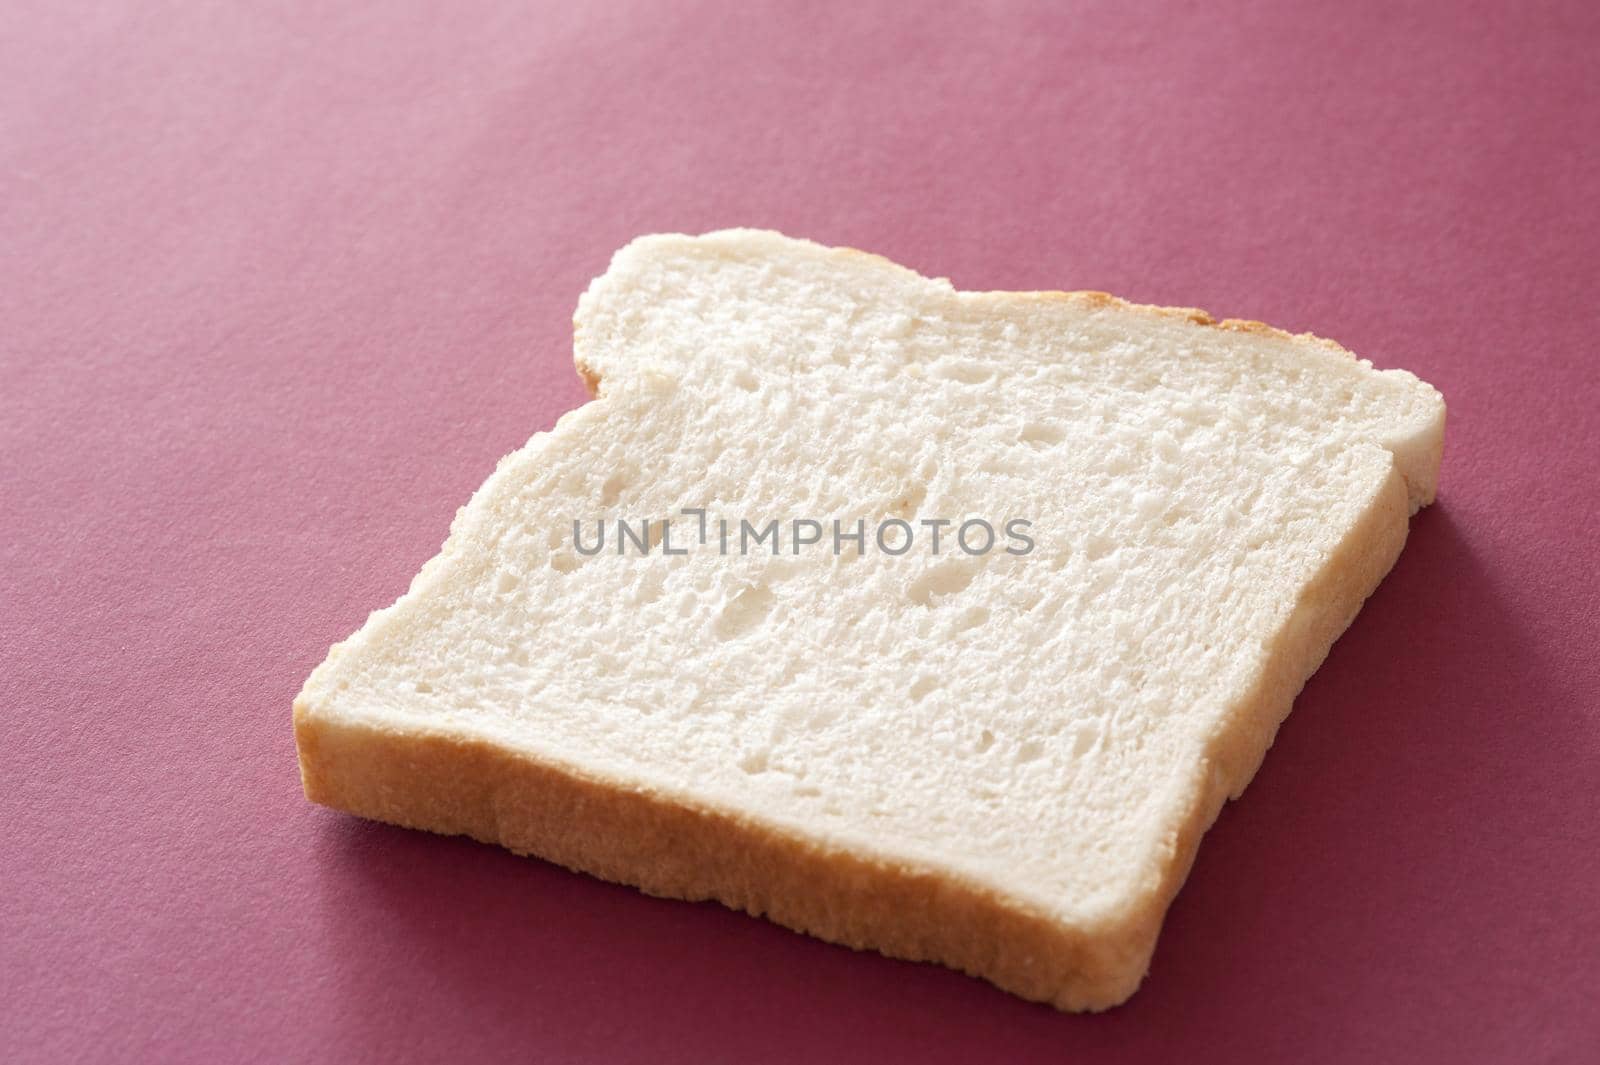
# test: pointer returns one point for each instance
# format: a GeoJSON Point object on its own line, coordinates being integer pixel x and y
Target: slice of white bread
{"type": "Point", "coordinates": [1002, 762]}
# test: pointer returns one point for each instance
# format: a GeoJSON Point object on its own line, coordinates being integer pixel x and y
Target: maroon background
{"type": "Point", "coordinates": [278, 286]}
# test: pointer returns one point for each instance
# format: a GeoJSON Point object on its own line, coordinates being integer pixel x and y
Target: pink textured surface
{"type": "Point", "coordinates": [279, 283]}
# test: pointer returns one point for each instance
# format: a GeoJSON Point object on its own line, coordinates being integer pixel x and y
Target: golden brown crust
{"type": "Point", "coordinates": [672, 846]}
{"type": "Point", "coordinates": [1105, 300]}
{"type": "Point", "coordinates": [589, 376]}
{"type": "Point", "coordinates": [1192, 315]}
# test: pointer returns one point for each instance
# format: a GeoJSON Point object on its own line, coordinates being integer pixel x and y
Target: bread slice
{"type": "Point", "coordinates": [1001, 761]}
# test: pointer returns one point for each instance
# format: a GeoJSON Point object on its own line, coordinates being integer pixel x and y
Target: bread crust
{"type": "Point", "coordinates": [675, 846]}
